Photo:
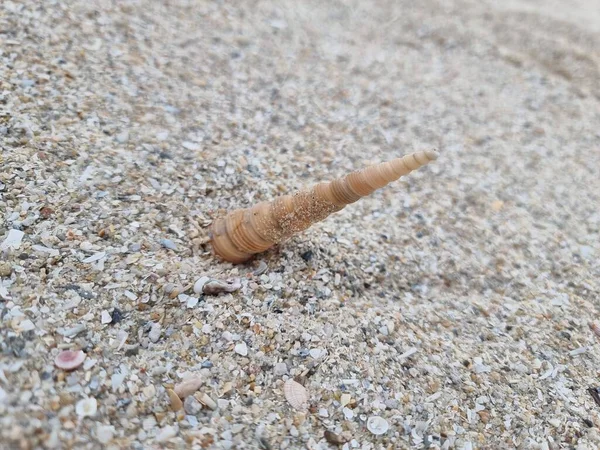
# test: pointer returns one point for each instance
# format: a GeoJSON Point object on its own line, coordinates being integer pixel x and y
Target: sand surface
{"type": "Point", "coordinates": [457, 307]}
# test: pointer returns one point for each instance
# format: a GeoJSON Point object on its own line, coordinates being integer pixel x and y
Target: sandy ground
{"type": "Point", "coordinates": [457, 305]}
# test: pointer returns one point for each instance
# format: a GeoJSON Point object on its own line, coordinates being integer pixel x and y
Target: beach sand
{"type": "Point", "coordinates": [455, 308]}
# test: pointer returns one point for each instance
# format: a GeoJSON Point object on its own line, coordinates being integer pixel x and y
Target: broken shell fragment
{"type": "Point", "coordinates": [188, 386]}
{"type": "Point", "coordinates": [69, 360]}
{"type": "Point", "coordinates": [214, 287]}
{"type": "Point", "coordinates": [245, 232]}
{"type": "Point", "coordinates": [377, 425]}
{"type": "Point", "coordinates": [86, 407]}
{"type": "Point", "coordinates": [296, 395]}
{"type": "Point", "coordinates": [176, 403]}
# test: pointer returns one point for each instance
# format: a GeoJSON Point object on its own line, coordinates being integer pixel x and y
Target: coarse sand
{"type": "Point", "coordinates": [453, 309]}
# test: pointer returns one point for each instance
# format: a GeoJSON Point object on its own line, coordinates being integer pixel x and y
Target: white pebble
{"type": "Point", "coordinates": [377, 425]}
{"type": "Point", "coordinates": [154, 334]}
{"type": "Point", "coordinates": [280, 369]}
{"type": "Point", "coordinates": [86, 407]}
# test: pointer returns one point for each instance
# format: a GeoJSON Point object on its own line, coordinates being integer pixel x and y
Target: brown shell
{"type": "Point", "coordinates": [245, 232]}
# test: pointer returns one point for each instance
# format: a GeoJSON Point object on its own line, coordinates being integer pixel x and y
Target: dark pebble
{"type": "Point", "coordinates": [116, 316]}
{"type": "Point", "coordinates": [307, 255]}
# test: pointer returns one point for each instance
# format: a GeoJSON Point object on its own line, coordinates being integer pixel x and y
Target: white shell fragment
{"type": "Point", "coordinates": [199, 284]}
{"type": "Point", "coordinates": [166, 433]}
{"type": "Point", "coordinates": [13, 240]}
{"type": "Point", "coordinates": [95, 257]}
{"type": "Point", "coordinates": [241, 348]}
{"type": "Point", "coordinates": [105, 317]}
{"type": "Point", "coordinates": [188, 386]}
{"type": "Point", "coordinates": [155, 331]}
{"type": "Point", "coordinates": [69, 360]}
{"type": "Point", "coordinates": [296, 395]}
{"type": "Point", "coordinates": [377, 425]}
{"type": "Point", "coordinates": [86, 407]}
{"type": "Point", "coordinates": [211, 286]}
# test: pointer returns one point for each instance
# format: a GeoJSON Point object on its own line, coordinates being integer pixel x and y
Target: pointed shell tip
{"type": "Point", "coordinates": [432, 154]}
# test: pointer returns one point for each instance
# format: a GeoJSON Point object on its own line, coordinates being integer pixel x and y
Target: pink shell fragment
{"type": "Point", "coordinates": [69, 360]}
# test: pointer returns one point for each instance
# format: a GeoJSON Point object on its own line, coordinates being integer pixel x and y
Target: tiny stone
{"type": "Point", "coordinates": [168, 243]}
{"type": "Point", "coordinates": [104, 433]}
{"type": "Point", "coordinates": [155, 332]}
{"type": "Point", "coordinates": [116, 316]}
{"type": "Point", "coordinates": [191, 405]}
{"type": "Point", "coordinates": [280, 369]}
{"type": "Point", "coordinates": [86, 407]}
{"type": "Point", "coordinates": [166, 433]}
{"type": "Point", "coordinates": [122, 137]}
{"type": "Point", "coordinates": [192, 421]}
{"type": "Point", "coordinates": [5, 269]}
{"type": "Point", "coordinates": [106, 317]}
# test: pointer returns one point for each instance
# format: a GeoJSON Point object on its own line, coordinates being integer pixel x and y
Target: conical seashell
{"type": "Point", "coordinates": [244, 232]}
{"type": "Point", "coordinates": [296, 395]}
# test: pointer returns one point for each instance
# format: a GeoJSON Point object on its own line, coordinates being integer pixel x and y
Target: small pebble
{"type": "Point", "coordinates": [116, 316]}
{"type": "Point", "coordinates": [280, 369]}
{"type": "Point", "coordinates": [168, 243]}
{"type": "Point", "coordinates": [104, 433]}
{"type": "Point", "coordinates": [86, 407]}
{"type": "Point", "coordinates": [155, 331]}
{"type": "Point", "coordinates": [5, 269]}
{"type": "Point", "coordinates": [166, 433]}
{"type": "Point", "coordinates": [377, 425]}
{"type": "Point", "coordinates": [191, 405]}
{"type": "Point", "coordinates": [192, 421]}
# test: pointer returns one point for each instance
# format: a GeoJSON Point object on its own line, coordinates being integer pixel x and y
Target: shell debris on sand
{"type": "Point", "coordinates": [188, 386]}
{"type": "Point", "coordinates": [296, 395]}
{"type": "Point", "coordinates": [69, 359]}
{"type": "Point", "coordinates": [86, 407]}
{"type": "Point", "coordinates": [377, 425]}
{"type": "Point", "coordinates": [212, 286]}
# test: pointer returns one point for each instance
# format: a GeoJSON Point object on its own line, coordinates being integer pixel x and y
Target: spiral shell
{"type": "Point", "coordinates": [245, 232]}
